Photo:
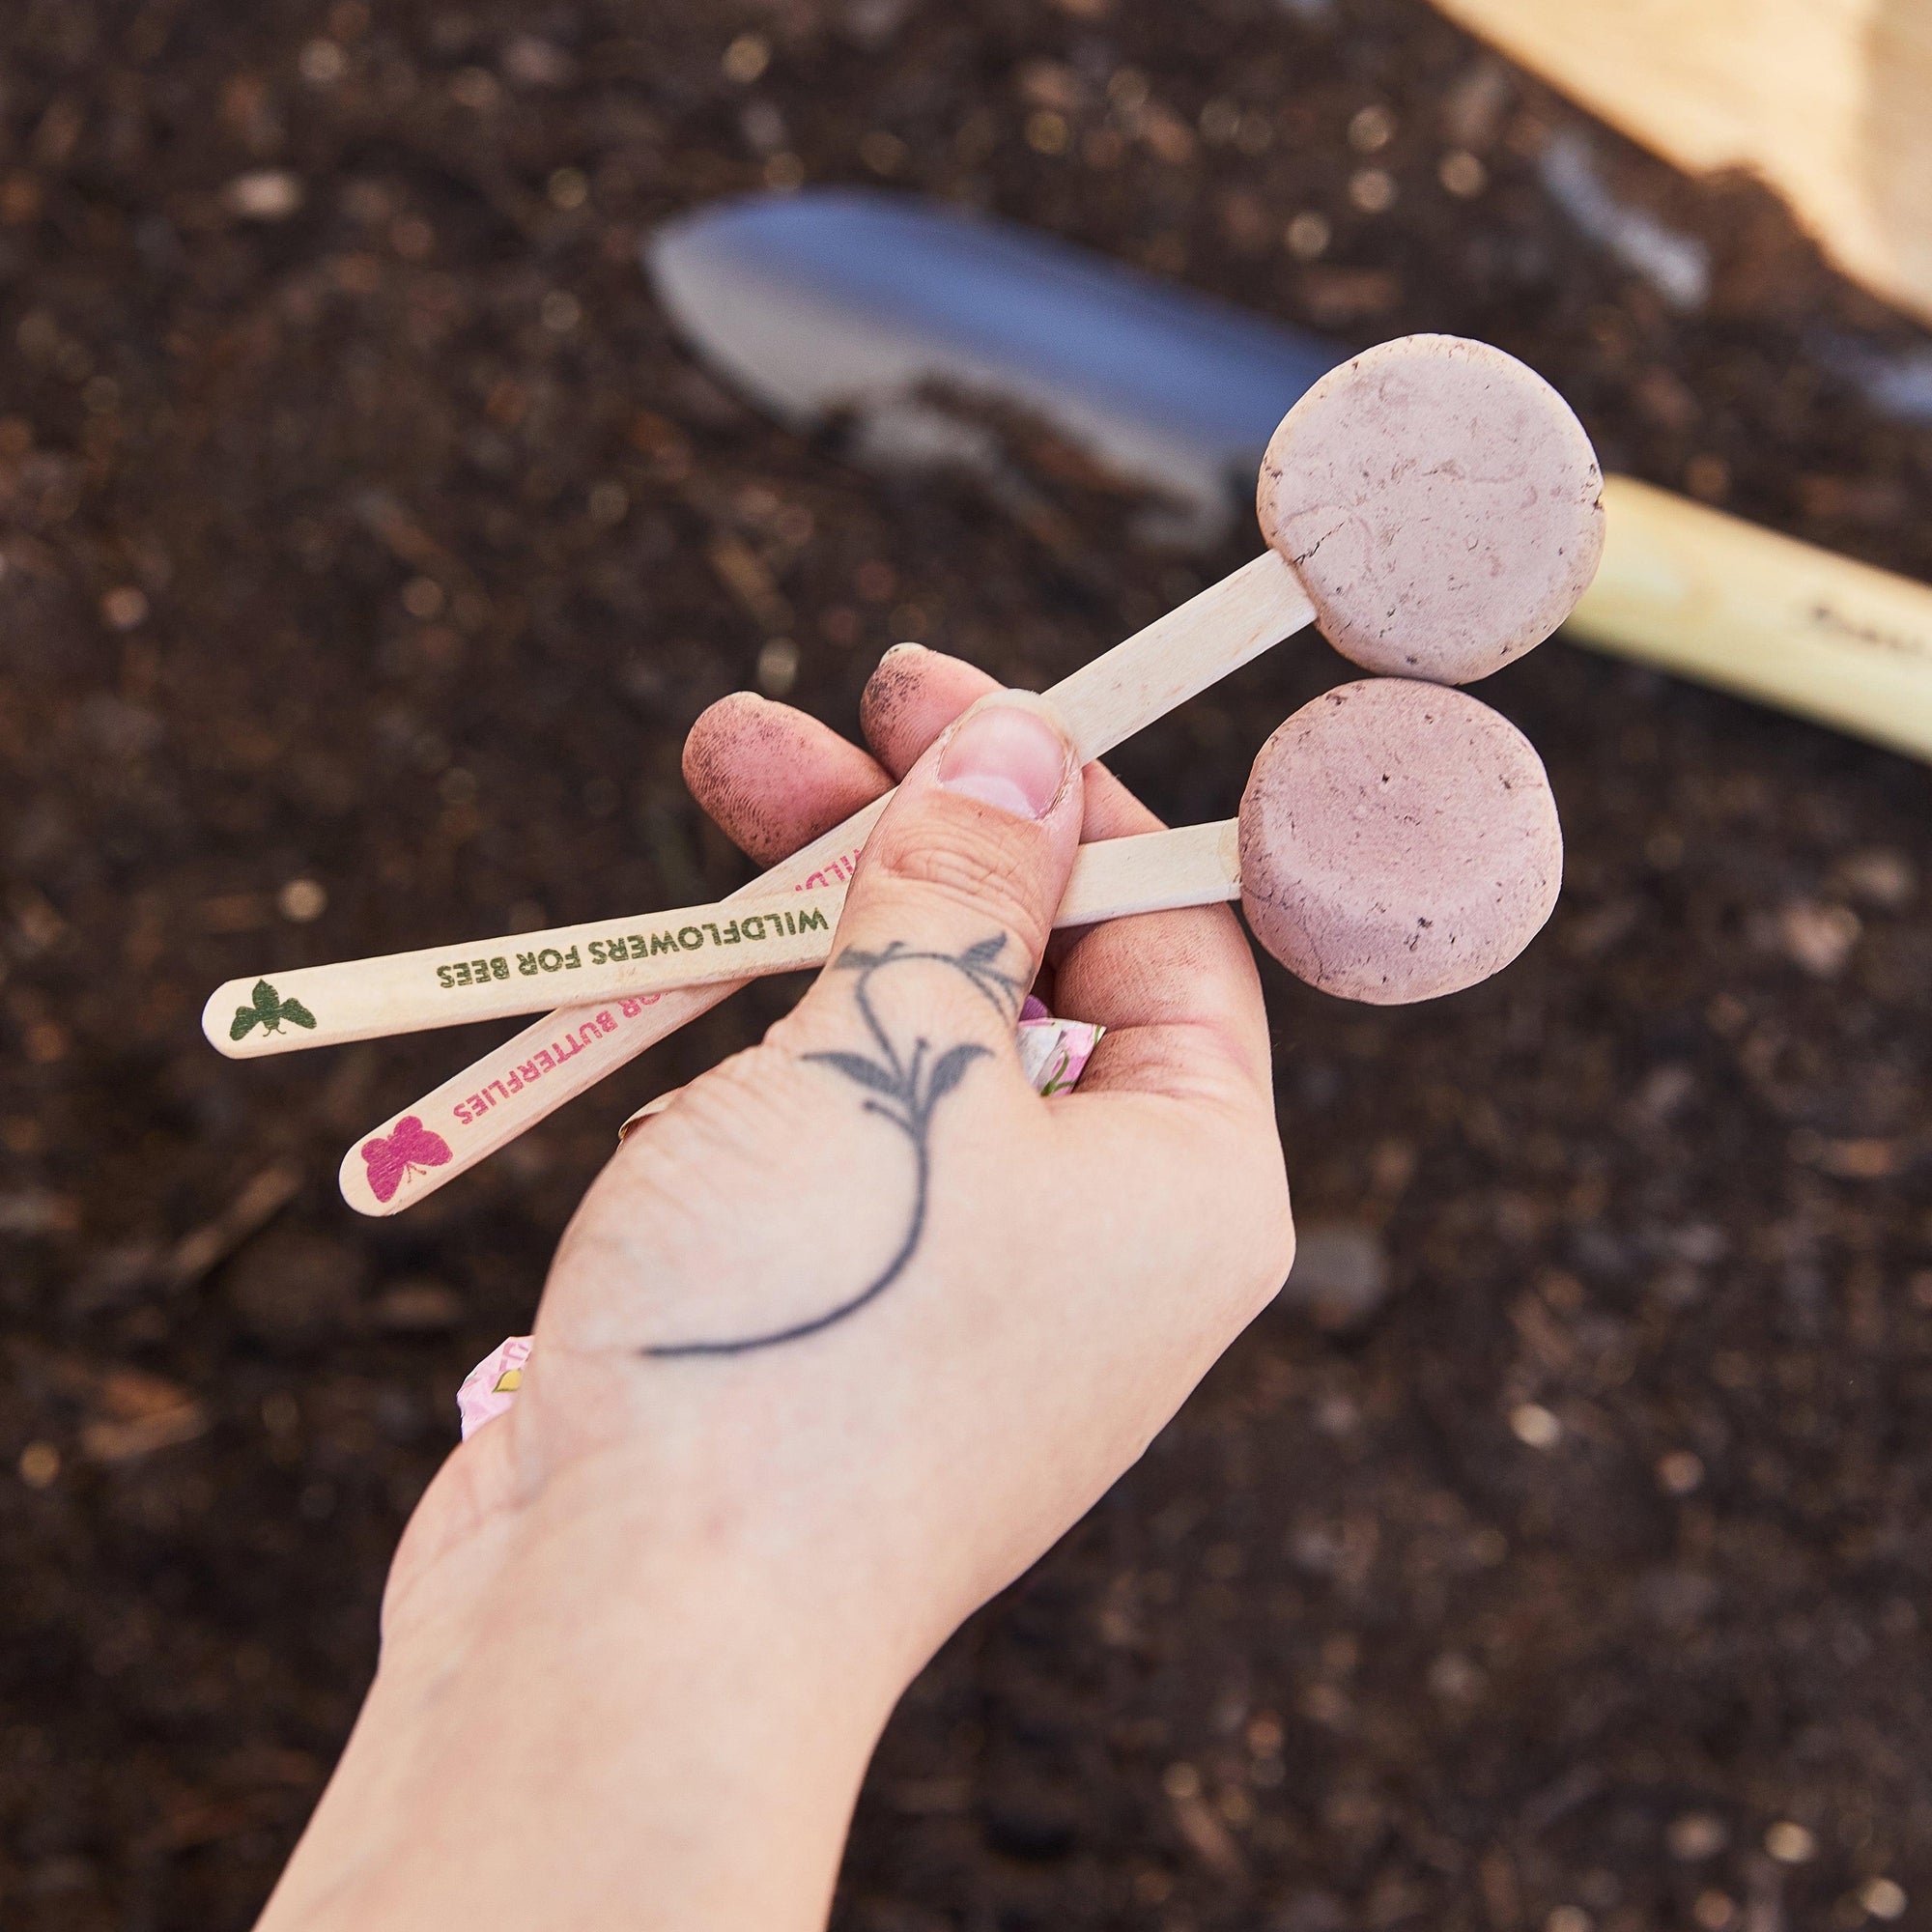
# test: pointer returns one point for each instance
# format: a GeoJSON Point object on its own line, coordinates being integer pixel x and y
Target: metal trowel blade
{"type": "Point", "coordinates": [839, 303]}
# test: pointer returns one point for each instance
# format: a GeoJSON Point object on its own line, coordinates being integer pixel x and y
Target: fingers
{"type": "Point", "coordinates": [1176, 991]}
{"type": "Point", "coordinates": [955, 892]}
{"type": "Point", "coordinates": [773, 778]}
{"type": "Point", "coordinates": [911, 698]}
{"type": "Point", "coordinates": [1181, 1003]}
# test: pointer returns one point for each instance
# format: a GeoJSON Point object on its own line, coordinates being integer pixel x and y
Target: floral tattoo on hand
{"type": "Point", "coordinates": [903, 1086]}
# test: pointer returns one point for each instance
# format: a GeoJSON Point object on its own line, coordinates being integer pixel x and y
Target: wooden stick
{"type": "Point", "coordinates": [617, 960]}
{"type": "Point", "coordinates": [505, 1092]}
{"type": "Point", "coordinates": [1693, 591]}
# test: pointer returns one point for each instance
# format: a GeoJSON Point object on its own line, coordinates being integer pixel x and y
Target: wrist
{"type": "Point", "coordinates": [645, 1718]}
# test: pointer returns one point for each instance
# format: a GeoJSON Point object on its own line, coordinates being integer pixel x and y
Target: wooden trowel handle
{"type": "Point", "coordinates": [1693, 591]}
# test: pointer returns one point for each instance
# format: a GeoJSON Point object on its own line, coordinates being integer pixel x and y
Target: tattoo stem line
{"type": "Point", "coordinates": [903, 1089]}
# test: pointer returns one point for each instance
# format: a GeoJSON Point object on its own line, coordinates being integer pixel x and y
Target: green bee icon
{"type": "Point", "coordinates": [268, 1012]}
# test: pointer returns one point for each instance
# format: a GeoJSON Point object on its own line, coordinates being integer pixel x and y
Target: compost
{"type": "Point", "coordinates": [1557, 1544]}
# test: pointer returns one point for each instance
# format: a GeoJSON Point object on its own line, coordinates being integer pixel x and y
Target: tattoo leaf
{"type": "Point", "coordinates": [948, 1070]}
{"type": "Point", "coordinates": [865, 1072]}
{"type": "Point", "coordinates": [986, 952]}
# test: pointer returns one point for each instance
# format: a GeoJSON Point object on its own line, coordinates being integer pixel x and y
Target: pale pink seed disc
{"type": "Point", "coordinates": [1399, 842]}
{"type": "Point", "coordinates": [1440, 504]}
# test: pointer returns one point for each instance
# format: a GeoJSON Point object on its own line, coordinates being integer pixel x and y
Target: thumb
{"type": "Point", "coordinates": [954, 894]}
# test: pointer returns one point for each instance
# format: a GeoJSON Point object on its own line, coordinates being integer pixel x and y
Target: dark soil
{"type": "Point", "coordinates": [388, 543]}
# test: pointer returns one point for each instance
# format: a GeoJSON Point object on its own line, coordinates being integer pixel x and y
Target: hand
{"type": "Point", "coordinates": [837, 1345]}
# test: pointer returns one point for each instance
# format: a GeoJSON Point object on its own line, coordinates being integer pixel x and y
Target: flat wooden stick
{"type": "Point", "coordinates": [526, 1079]}
{"type": "Point", "coordinates": [661, 953]}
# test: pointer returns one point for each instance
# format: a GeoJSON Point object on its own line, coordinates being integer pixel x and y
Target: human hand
{"type": "Point", "coordinates": [935, 1315]}
{"type": "Point", "coordinates": [847, 1336]}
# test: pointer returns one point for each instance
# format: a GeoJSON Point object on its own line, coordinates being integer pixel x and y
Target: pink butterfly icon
{"type": "Point", "coordinates": [391, 1160]}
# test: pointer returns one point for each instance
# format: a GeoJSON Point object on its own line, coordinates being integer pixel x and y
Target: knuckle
{"type": "Point", "coordinates": [753, 1094]}
{"type": "Point", "coordinates": [972, 869]}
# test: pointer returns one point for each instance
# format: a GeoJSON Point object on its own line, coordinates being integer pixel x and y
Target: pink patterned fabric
{"type": "Point", "coordinates": [1054, 1053]}
{"type": "Point", "coordinates": [492, 1385]}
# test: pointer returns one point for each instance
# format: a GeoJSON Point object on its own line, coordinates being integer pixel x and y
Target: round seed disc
{"type": "Point", "coordinates": [1439, 502]}
{"type": "Point", "coordinates": [1399, 842]}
